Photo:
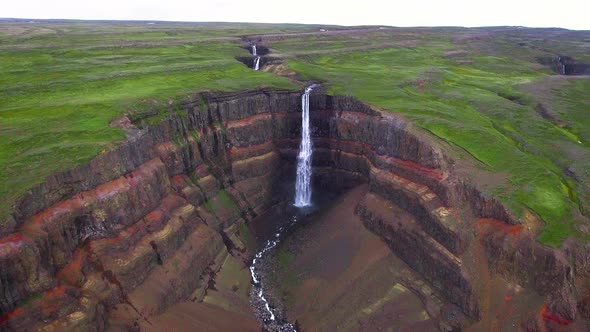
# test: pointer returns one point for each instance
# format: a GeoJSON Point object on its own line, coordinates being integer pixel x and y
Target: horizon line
{"type": "Point", "coordinates": [279, 23]}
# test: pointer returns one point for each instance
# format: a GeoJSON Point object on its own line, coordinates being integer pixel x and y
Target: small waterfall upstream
{"type": "Point", "coordinates": [257, 63]}
{"type": "Point", "coordinates": [256, 59]}
{"type": "Point", "coordinates": [303, 180]}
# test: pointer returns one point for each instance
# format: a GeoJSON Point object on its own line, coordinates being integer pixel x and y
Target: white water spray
{"type": "Point", "coordinates": [303, 180]}
{"type": "Point", "coordinates": [256, 59]}
{"type": "Point", "coordinates": [257, 63]}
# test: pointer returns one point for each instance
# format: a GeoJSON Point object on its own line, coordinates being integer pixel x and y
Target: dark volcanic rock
{"type": "Point", "coordinates": [136, 226]}
{"type": "Point", "coordinates": [566, 65]}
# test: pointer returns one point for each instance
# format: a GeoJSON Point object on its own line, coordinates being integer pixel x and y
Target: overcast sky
{"type": "Point", "coordinates": [571, 14]}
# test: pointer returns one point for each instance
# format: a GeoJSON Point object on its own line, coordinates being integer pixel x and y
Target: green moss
{"type": "Point", "coordinates": [208, 205]}
{"type": "Point", "coordinates": [226, 200]}
{"type": "Point", "coordinates": [179, 140]}
{"type": "Point", "coordinates": [59, 92]}
{"type": "Point", "coordinates": [284, 258]}
{"type": "Point", "coordinates": [246, 236]}
{"type": "Point", "coordinates": [286, 273]}
{"type": "Point", "coordinates": [195, 135]}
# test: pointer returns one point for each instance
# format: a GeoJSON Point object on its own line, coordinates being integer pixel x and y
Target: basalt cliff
{"type": "Point", "coordinates": [116, 242]}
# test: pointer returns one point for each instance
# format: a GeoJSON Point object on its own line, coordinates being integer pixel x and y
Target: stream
{"type": "Point", "coordinates": [270, 229]}
{"type": "Point", "coordinates": [285, 219]}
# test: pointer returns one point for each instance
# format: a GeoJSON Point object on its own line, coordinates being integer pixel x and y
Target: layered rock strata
{"type": "Point", "coordinates": [129, 234]}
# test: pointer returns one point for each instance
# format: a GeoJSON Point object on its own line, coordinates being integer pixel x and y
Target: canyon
{"type": "Point", "coordinates": [140, 232]}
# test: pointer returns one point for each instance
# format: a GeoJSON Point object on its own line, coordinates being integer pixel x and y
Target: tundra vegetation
{"type": "Point", "coordinates": [490, 93]}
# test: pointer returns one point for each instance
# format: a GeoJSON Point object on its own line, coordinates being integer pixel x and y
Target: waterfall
{"type": "Point", "coordinates": [257, 63]}
{"type": "Point", "coordinates": [256, 59]}
{"type": "Point", "coordinates": [303, 181]}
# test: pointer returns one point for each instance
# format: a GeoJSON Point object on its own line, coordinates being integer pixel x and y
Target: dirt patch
{"type": "Point", "coordinates": [455, 54]}
{"type": "Point", "coordinates": [191, 316]}
{"type": "Point", "coordinates": [340, 276]}
{"type": "Point", "coordinates": [232, 287]}
{"type": "Point", "coordinates": [546, 114]}
{"type": "Point", "coordinates": [504, 304]}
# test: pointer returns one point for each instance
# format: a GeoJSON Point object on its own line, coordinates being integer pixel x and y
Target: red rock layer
{"type": "Point", "coordinates": [135, 227]}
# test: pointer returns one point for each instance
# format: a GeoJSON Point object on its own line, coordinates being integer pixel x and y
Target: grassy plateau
{"type": "Point", "coordinates": [484, 91]}
{"type": "Point", "coordinates": [63, 83]}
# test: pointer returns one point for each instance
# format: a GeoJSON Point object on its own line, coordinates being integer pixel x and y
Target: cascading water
{"type": "Point", "coordinates": [257, 63]}
{"type": "Point", "coordinates": [271, 317]}
{"type": "Point", "coordinates": [256, 59]}
{"type": "Point", "coordinates": [303, 180]}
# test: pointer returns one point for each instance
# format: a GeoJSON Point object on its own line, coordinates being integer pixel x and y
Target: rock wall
{"type": "Point", "coordinates": [134, 228]}
{"type": "Point", "coordinates": [565, 65]}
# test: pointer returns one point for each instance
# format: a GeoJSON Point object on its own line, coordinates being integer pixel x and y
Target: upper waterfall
{"type": "Point", "coordinates": [256, 63]}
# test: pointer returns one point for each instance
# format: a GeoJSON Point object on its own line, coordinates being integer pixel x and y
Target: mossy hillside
{"type": "Point", "coordinates": [64, 82]}
{"type": "Point", "coordinates": [96, 34]}
{"type": "Point", "coordinates": [473, 103]}
{"type": "Point", "coordinates": [59, 91]}
{"type": "Point", "coordinates": [573, 106]}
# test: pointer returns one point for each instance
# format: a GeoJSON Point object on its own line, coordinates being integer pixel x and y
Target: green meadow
{"type": "Point", "coordinates": [63, 83]}
{"type": "Point", "coordinates": [473, 96]}
{"type": "Point", "coordinates": [480, 90]}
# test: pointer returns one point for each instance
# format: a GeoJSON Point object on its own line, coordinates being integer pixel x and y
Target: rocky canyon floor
{"type": "Point", "coordinates": [333, 274]}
